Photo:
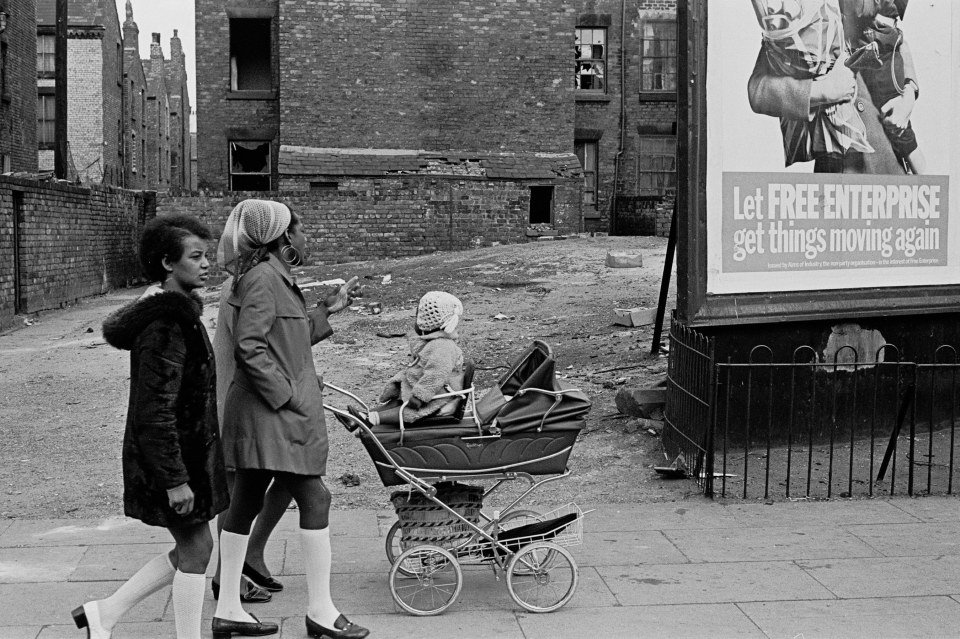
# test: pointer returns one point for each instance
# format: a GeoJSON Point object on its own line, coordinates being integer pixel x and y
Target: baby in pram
{"type": "Point", "coordinates": [435, 367]}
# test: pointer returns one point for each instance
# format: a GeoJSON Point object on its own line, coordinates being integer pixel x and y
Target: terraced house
{"type": "Point", "coordinates": [315, 94]}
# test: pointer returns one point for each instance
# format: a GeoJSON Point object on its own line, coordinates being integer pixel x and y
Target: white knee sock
{"type": "Point", "coordinates": [154, 575]}
{"type": "Point", "coordinates": [188, 603]}
{"type": "Point", "coordinates": [373, 417]}
{"type": "Point", "coordinates": [316, 562]}
{"type": "Point", "coordinates": [233, 550]}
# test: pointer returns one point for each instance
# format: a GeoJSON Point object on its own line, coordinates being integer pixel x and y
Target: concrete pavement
{"type": "Point", "coordinates": [870, 568]}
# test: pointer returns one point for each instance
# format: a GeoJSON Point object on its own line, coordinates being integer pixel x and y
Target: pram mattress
{"type": "Point", "coordinates": [458, 450]}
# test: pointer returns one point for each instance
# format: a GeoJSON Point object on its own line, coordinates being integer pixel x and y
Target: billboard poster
{"type": "Point", "coordinates": [833, 145]}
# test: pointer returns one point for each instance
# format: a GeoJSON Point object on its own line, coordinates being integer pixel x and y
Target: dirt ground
{"type": "Point", "coordinates": [65, 391]}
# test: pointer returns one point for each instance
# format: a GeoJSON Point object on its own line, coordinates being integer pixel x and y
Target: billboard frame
{"type": "Point", "coordinates": [698, 308]}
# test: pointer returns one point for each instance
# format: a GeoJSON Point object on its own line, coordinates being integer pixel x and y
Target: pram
{"type": "Point", "coordinates": [526, 426]}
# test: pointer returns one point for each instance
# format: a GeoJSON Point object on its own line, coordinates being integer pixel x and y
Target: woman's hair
{"type": "Point", "coordinates": [249, 259]}
{"type": "Point", "coordinates": [163, 237]}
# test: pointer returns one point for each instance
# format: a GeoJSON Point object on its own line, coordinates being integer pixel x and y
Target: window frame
{"type": "Point", "coordinates": [580, 147]}
{"type": "Point", "coordinates": [657, 40]}
{"type": "Point", "coordinates": [668, 184]}
{"type": "Point", "coordinates": [269, 169]}
{"type": "Point", "coordinates": [44, 95]}
{"type": "Point", "coordinates": [50, 55]}
{"type": "Point", "coordinates": [579, 60]}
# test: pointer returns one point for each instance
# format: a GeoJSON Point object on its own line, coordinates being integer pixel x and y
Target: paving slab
{"type": "Point", "coordinates": [768, 544]}
{"type": "Point", "coordinates": [694, 513]}
{"type": "Point", "coordinates": [80, 532]}
{"type": "Point", "coordinates": [114, 562]}
{"type": "Point", "coordinates": [887, 577]}
{"type": "Point", "coordinates": [25, 632]}
{"type": "Point", "coordinates": [931, 508]}
{"type": "Point", "coordinates": [627, 549]}
{"type": "Point", "coordinates": [900, 617]}
{"type": "Point", "coordinates": [708, 621]}
{"type": "Point", "coordinates": [905, 540]}
{"type": "Point", "coordinates": [711, 583]}
{"type": "Point", "coordinates": [451, 624]}
{"type": "Point", "coordinates": [343, 523]}
{"type": "Point", "coordinates": [350, 555]}
{"type": "Point", "coordinates": [4, 524]}
{"type": "Point", "coordinates": [51, 603]}
{"type": "Point", "coordinates": [821, 513]}
{"type": "Point", "coordinates": [33, 565]}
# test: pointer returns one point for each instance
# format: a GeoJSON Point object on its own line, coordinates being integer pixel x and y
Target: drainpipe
{"type": "Point", "coordinates": [616, 159]}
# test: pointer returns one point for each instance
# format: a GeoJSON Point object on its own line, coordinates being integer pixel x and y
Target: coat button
{"type": "Point", "coordinates": [860, 106]}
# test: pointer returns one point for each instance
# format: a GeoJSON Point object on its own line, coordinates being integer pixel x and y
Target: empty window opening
{"type": "Point", "coordinates": [541, 204]}
{"type": "Point", "coordinates": [250, 166]}
{"type": "Point", "coordinates": [250, 65]}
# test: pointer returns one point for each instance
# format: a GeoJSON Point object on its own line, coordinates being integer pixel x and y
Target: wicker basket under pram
{"type": "Point", "coordinates": [422, 521]}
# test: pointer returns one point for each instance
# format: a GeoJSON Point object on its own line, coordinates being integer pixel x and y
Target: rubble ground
{"type": "Point", "coordinates": [65, 390]}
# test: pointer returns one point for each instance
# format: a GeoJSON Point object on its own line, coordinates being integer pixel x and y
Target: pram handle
{"type": "Point", "coordinates": [347, 393]}
{"type": "Point", "coordinates": [557, 398]}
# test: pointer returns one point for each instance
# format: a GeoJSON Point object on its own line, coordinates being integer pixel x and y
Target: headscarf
{"type": "Point", "coordinates": [251, 224]}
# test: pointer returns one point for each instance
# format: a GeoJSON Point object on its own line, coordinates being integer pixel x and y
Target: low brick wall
{"type": "Point", "coordinates": [61, 243]}
{"type": "Point", "coordinates": [386, 217]}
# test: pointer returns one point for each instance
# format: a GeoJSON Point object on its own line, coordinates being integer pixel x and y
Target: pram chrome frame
{"type": "Point", "coordinates": [527, 562]}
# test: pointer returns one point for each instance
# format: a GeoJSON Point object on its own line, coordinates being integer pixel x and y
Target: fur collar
{"type": "Point", "coordinates": [123, 326]}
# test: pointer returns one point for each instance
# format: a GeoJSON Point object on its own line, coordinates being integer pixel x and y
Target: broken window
{"type": "Point", "coordinates": [250, 166]}
{"type": "Point", "coordinates": [541, 204]}
{"type": "Point", "coordinates": [586, 151]}
{"type": "Point", "coordinates": [590, 52]}
{"type": "Point", "coordinates": [658, 66]}
{"type": "Point", "coordinates": [657, 167]}
{"type": "Point", "coordinates": [250, 51]}
{"type": "Point", "coordinates": [46, 61]}
{"type": "Point", "coordinates": [46, 121]}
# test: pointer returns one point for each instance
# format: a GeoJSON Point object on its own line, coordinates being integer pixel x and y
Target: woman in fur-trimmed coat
{"type": "Point", "coordinates": [173, 471]}
{"type": "Point", "coordinates": [171, 436]}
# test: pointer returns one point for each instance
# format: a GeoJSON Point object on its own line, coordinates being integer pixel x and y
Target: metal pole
{"type": "Point", "coordinates": [60, 95]}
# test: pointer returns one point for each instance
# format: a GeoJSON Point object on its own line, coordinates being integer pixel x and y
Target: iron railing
{"type": "Point", "coordinates": [860, 424]}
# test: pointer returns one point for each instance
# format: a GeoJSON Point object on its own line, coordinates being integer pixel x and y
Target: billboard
{"type": "Point", "coordinates": [832, 146]}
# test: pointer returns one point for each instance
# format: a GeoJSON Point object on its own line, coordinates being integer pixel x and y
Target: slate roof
{"type": "Point", "coordinates": [301, 160]}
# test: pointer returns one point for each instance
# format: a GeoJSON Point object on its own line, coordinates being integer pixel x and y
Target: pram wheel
{"type": "Point", "coordinates": [394, 547]}
{"type": "Point", "coordinates": [542, 576]}
{"type": "Point", "coordinates": [516, 518]}
{"type": "Point", "coordinates": [425, 580]}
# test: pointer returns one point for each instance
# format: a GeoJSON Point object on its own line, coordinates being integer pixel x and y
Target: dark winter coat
{"type": "Point", "coordinates": [171, 435]}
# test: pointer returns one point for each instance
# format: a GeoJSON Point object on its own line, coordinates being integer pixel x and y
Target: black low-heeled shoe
{"type": "Point", "coordinates": [252, 593]}
{"type": "Point", "coordinates": [225, 629]}
{"type": "Point", "coordinates": [264, 581]}
{"type": "Point", "coordinates": [342, 629]}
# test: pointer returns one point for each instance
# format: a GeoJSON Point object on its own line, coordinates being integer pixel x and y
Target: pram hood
{"type": "Point", "coordinates": [528, 397]}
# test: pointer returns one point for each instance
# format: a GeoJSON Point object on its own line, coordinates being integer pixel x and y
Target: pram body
{"type": "Point", "coordinates": [528, 423]}
{"type": "Point", "coordinates": [525, 426]}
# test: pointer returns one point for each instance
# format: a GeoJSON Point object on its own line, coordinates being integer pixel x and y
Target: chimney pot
{"type": "Point", "coordinates": [174, 33]}
{"type": "Point", "coordinates": [156, 37]}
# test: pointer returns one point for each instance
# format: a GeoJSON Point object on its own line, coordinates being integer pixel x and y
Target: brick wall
{"type": "Point", "coordinates": [399, 217]}
{"type": "Point", "coordinates": [71, 242]}
{"type": "Point", "coordinates": [221, 114]}
{"type": "Point", "coordinates": [85, 123]}
{"type": "Point", "coordinates": [424, 74]}
{"type": "Point", "coordinates": [602, 115]}
{"type": "Point", "coordinates": [18, 101]}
